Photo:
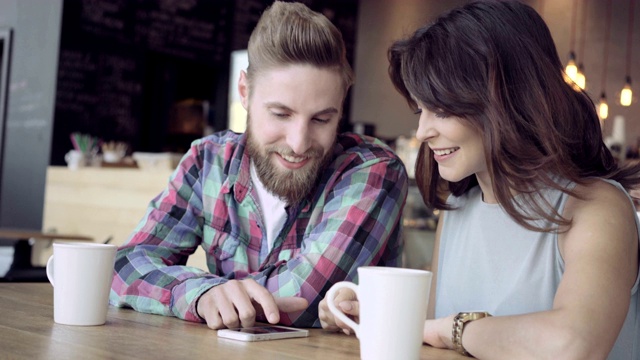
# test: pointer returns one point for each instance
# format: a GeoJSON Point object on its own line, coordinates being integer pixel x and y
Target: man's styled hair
{"type": "Point", "coordinates": [291, 33]}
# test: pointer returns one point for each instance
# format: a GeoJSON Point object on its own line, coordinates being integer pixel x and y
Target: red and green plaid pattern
{"type": "Point", "coordinates": [351, 219]}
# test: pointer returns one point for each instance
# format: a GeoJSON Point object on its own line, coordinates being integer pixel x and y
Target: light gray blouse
{"type": "Point", "coordinates": [488, 262]}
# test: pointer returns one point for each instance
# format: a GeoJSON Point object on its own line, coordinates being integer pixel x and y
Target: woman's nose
{"type": "Point", "coordinates": [425, 128]}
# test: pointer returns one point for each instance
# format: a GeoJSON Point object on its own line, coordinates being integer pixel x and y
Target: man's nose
{"type": "Point", "coordinates": [299, 137]}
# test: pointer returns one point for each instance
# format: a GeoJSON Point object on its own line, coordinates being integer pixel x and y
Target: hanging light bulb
{"type": "Point", "coordinates": [572, 70]}
{"type": "Point", "coordinates": [626, 95]}
{"type": "Point", "coordinates": [603, 108]}
{"type": "Point", "coordinates": [581, 80]}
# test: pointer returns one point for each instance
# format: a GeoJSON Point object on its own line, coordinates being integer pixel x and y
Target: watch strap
{"type": "Point", "coordinates": [459, 322]}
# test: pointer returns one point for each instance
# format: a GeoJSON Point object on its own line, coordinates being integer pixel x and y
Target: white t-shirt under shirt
{"type": "Point", "coordinates": [272, 209]}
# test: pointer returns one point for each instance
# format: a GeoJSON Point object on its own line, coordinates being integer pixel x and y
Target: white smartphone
{"type": "Point", "coordinates": [260, 333]}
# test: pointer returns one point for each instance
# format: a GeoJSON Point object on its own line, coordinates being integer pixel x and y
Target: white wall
{"type": "Point", "coordinates": [380, 22]}
{"type": "Point", "coordinates": [29, 122]}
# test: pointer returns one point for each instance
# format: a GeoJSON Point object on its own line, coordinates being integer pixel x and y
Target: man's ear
{"type": "Point", "coordinates": [243, 89]}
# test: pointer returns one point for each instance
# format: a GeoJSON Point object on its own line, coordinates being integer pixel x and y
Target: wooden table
{"type": "Point", "coordinates": [27, 331]}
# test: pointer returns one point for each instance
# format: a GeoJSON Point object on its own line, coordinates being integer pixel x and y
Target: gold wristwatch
{"type": "Point", "coordinates": [459, 322]}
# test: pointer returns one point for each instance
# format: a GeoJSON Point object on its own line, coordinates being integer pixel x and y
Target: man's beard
{"type": "Point", "coordinates": [291, 186]}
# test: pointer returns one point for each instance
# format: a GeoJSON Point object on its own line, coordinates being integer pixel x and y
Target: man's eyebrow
{"type": "Point", "coordinates": [279, 105]}
{"type": "Point", "coordinates": [327, 111]}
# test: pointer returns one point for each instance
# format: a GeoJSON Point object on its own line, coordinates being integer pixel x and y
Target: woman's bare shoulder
{"type": "Point", "coordinates": [598, 197]}
{"type": "Point", "coordinates": [600, 211]}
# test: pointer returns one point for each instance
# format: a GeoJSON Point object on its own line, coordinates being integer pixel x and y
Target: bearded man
{"type": "Point", "coordinates": [283, 211]}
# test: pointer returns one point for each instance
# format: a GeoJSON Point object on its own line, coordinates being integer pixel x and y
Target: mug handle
{"type": "Point", "coordinates": [334, 309]}
{"type": "Point", "coordinates": [50, 270]}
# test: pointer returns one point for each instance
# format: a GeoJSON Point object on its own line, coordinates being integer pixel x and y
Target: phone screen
{"type": "Point", "coordinates": [265, 330]}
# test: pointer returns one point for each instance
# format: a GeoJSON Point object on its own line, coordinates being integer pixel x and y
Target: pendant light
{"type": "Point", "coordinates": [626, 95]}
{"type": "Point", "coordinates": [581, 80]}
{"type": "Point", "coordinates": [603, 107]}
{"type": "Point", "coordinates": [572, 69]}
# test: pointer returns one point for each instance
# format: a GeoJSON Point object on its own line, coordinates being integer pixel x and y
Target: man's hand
{"type": "Point", "coordinates": [236, 303]}
{"type": "Point", "coordinates": [345, 300]}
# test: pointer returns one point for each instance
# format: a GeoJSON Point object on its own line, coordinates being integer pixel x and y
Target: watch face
{"type": "Point", "coordinates": [473, 315]}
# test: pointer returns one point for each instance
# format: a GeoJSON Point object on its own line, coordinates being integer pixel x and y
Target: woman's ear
{"type": "Point", "coordinates": [243, 89]}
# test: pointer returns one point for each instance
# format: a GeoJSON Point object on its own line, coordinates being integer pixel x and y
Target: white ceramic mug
{"type": "Point", "coordinates": [75, 159]}
{"type": "Point", "coordinates": [112, 156]}
{"type": "Point", "coordinates": [81, 276]}
{"type": "Point", "coordinates": [393, 308]}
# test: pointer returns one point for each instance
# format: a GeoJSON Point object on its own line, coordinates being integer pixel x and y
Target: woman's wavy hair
{"type": "Point", "coordinates": [494, 65]}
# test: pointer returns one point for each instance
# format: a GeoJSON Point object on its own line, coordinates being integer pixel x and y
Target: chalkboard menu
{"type": "Point", "coordinates": [124, 63]}
{"type": "Point", "coordinates": [193, 29]}
{"type": "Point", "coordinates": [101, 92]}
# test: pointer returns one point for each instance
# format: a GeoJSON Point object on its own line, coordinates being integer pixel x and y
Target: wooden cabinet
{"type": "Point", "coordinates": [101, 203]}
{"type": "Point", "coordinates": [109, 202]}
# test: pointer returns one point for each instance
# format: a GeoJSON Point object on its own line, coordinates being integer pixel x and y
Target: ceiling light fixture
{"type": "Point", "coordinates": [626, 95]}
{"type": "Point", "coordinates": [603, 107]}
{"type": "Point", "coordinates": [572, 69]}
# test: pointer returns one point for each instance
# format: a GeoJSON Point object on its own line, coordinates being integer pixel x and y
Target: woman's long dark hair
{"type": "Point", "coordinates": [494, 64]}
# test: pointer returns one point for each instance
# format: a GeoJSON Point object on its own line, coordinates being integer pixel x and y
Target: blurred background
{"type": "Point", "coordinates": [130, 83]}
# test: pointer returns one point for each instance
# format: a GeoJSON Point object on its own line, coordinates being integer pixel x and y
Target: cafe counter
{"type": "Point", "coordinates": [100, 202]}
{"type": "Point", "coordinates": [107, 203]}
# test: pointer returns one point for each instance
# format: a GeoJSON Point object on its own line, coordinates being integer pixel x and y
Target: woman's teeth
{"type": "Point", "coordinates": [445, 151]}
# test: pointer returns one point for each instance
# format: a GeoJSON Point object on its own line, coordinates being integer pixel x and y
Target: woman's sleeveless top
{"type": "Point", "coordinates": [488, 262]}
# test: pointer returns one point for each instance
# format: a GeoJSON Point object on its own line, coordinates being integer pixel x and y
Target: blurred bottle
{"type": "Point", "coordinates": [407, 149]}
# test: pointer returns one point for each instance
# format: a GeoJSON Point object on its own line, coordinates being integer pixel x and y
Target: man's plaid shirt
{"type": "Point", "coordinates": [351, 219]}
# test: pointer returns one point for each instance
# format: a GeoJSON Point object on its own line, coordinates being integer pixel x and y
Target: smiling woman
{"type": "Point", "coordinates": [522, 157]}
{"type": "Point", "coordinates": [513, 158]}
{"type": "Point", "coordinates": [456, 144]}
